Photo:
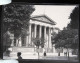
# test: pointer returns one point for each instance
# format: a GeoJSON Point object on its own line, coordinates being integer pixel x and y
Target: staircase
{"type": "Point", "coordinates": [22, 49]}
{"type": "Point", "coordinates": [26, 52]}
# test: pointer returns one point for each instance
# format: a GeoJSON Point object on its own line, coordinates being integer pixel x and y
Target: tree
{"type": "Point", "coordinates": [74, 16]}
{"type": "Point", "coordinates": [74, 24]}
{"type": "Point", "coordinates": [66, 35]}
{"type": "Point", "coordinates": [6, 41]}
{"type": "Point", "coordinates": [39, 42]}
{"type": "Point", "coordinates": [16, 19]}
{"type": "Point", "coordinates": [53, 34]}
{"type": "Point", "coordinates": [65, 39]}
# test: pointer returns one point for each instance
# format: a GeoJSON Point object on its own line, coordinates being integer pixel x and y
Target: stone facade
{"type": "Point", "coordinates": [41, 27]}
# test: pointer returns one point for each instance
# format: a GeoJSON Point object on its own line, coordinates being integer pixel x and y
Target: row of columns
{"type": "Point", "coordinates": [40, 33]}
{"type": "Point", "coordinates": [28, 38]}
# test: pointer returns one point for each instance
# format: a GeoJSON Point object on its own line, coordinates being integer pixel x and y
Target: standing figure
{"type": "Point", "coordinates": [45, 53]}
{"type": "Point", "coordinates": [19, 55]}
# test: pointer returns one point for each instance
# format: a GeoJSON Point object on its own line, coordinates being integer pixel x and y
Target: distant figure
{"type": "Point", "coordinates": [59, 54]}
{"type": "Point", "coordinates": [19, 55]}
{"type": "Point", "coordinates": [45, 53]}
{"type": "Point", "coordinates": [65, 53]}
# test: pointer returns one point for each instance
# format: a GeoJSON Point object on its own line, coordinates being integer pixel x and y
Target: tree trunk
{"type": "Point", "coordinates": [38, 55]}
{"type": "Point", "coordinates": [78, 55]}
{"type": "Point", "coordinates": [52, 48]}
{"type": "Point", "coordinates": [68, 53]}
{"type": "Point", "coordinates": [78, 52]}
{"type": "Point", "coordinates": [34, 50]}
{"type": "Point", "coordinates": [14, 42]}
{"type": "Point", "coordinates": [38, 52]}
{"type": "Point", "coordinates": [59, 54]}
{"type": "Point", "coordinates": [14, 39]}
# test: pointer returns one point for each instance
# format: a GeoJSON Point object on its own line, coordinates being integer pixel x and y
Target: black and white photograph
{"type": "Point", "coordinates": [45, 32]}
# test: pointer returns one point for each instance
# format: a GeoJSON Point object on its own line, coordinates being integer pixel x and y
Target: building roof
{"type": "Point", "coordinates": [43, 18]}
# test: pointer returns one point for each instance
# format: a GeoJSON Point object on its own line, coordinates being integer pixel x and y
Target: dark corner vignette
{"type": "Point", "coordinates": [47, 1]}
{"type": "Point", "coordinates": [1, 47]}
{"type": "Point", "coordinates": [24, 60]}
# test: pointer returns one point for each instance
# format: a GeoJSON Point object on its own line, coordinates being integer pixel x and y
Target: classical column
{"type": "Point", "coordinates": [12, 42]}
{"type": "Point", "coordinates": [50, 38]}
{"type": "Point", "coordinates": [54, 48]}
{"type": "Point", "coordinates": [20, 44]}
{"type": "Point", "coordinates": [29, 33]}
{"type": "Point", "coordinates": [45, 33]}
{"type": "Point", "coordinates": [26, 41]}
{"type": "Point", "coordinates": [40, 31]}
{"type": "Point", "coordinates": [32, 37]}
{"type": "Point", "coordinates": [35, 30]}
{"type": "Point", "coordinates": [16, 42]}
{"type": "Point", "coordinates": [45, 39]}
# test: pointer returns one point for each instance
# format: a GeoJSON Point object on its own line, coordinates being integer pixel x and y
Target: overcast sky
{"type": "Point", "coordinates": [58, 13]}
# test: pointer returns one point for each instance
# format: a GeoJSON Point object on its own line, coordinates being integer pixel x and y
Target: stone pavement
{"type": "Point", "coordinates": [50, 56]}
{"type": "Point", "coordinates": [59, 58]}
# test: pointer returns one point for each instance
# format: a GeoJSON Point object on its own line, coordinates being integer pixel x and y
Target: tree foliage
{"type": "Point", "coordinates": [6, 41]}
{"type": "Point", "coordinates": [39, 42]}
{"type": "Point", "coordinates": [66, 38]}
{"type": "Point", "coordinates": [16, 17]}
{"type": "Point", "coordinates": [54, 34]}
{"type": "Point", "coordinates": [74, 16]}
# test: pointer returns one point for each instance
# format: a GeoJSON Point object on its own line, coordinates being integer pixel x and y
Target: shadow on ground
{"type": "Point", "coordinates": [46, 61]}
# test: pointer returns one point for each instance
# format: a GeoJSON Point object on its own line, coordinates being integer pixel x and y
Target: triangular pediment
{"type": "Point", "coordinates": [43, 18]}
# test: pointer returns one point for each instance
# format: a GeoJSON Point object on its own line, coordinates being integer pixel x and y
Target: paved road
{"type": "Point", "coordinates": [50, 56]}
{"type": "Point", "coordinates": [59, 58]}
{"type": "Point", "coordinates": [45, 58]}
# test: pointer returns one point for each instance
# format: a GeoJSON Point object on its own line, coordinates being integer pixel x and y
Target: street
{"type": "Point", "coordinates": [49, 56]}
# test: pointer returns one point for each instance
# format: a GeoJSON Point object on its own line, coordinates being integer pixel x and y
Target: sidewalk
{"type": "Point", "coordinates": [41, 56]}
{"type": "Point", "coordinates": [59, 58]}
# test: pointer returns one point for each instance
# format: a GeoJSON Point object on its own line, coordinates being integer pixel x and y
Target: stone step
{"type": "Point", "coordinates": [13, 55]}
{"type": "Point", "coordinates": [22, 49]}
{"type": "Point", "coordinates": [25, 56]}
{"type": "Point", "coordinates": [23, 53]}
{"type": "Point", "coordinates": [25, 49]}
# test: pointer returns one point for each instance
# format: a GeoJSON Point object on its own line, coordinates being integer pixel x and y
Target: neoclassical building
{"type": "Point", "coordinates": [40, 26]}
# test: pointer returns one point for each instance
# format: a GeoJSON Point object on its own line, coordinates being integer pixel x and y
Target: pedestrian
{"type": "Point", "coordinates": [19, 55]}
{"type": "Point", "coordinates": [45, 53]}
{"type": "Point", "coordinates": [66, 53]}
{"type": "Point", "coordinates": [59, 54]}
